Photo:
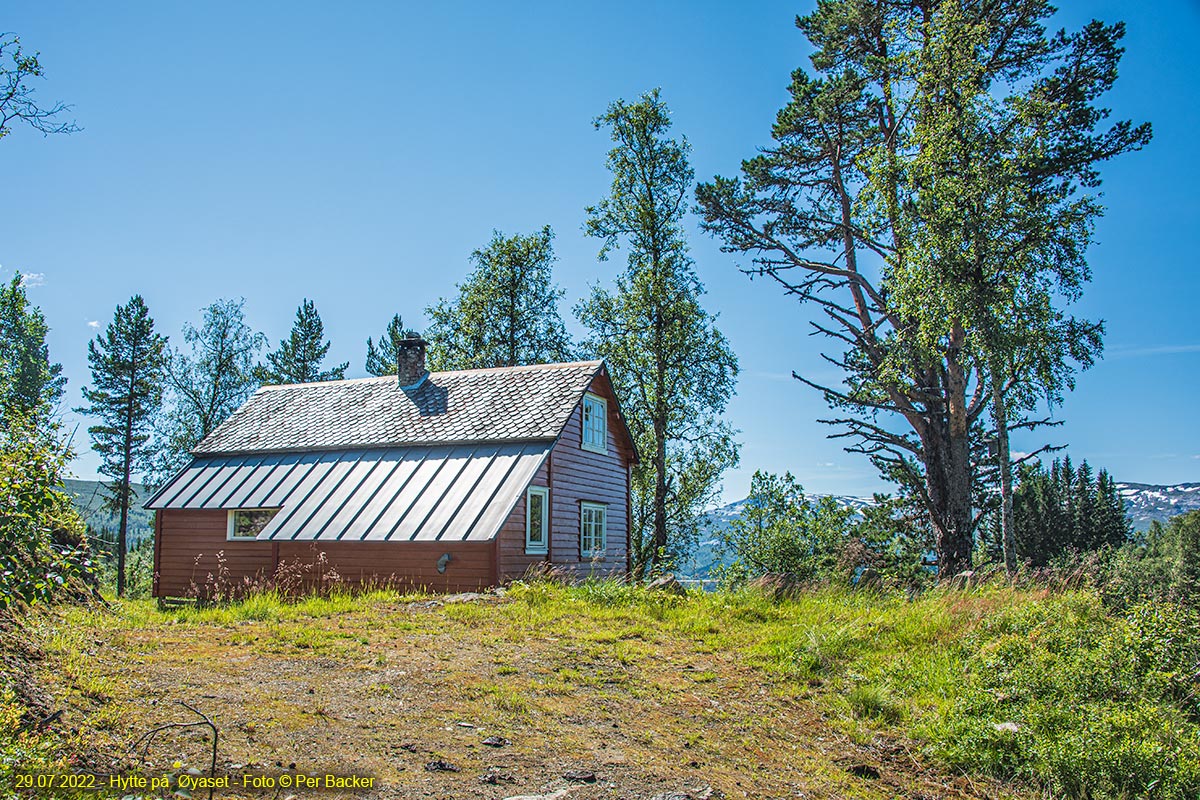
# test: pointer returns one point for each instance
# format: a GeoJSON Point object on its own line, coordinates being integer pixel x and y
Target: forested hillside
{"type": "Point", "coordinates": [89, 499]}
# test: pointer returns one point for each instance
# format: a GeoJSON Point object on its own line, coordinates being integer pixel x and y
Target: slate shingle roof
{"type": "Point", "coordinates": [492, 405]}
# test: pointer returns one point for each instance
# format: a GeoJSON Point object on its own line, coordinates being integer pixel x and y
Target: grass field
{"type": "Point", "coordinates": [831, 694]}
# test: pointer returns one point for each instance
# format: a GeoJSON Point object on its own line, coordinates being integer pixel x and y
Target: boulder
{"type": "Point", "coordinates": [666, 583]}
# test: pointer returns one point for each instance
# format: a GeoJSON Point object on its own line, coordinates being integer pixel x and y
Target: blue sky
{"type": "Point", "coordinates": [357, 153]}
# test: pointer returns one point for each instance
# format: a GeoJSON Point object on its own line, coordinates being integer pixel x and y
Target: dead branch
{"type": "Point", "coordinates": [204, 721]}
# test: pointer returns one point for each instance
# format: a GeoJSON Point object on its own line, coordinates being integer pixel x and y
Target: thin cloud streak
{"type": "Point", "coordinates": [1161, 350]}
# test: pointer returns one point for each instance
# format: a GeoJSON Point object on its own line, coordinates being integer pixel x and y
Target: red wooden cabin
{"type": "Point", "coordinates": [449, 481]}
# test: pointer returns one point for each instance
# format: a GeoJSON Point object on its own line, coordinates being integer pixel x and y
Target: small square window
{"type": "Point", "coordinates": [247, 523]}
{"type": "Point", "coordinates": [595, 424]}
{"type": "Point", "coordinates": [592, 529]}
{"type": "Point", "coordinates": [537, 520]}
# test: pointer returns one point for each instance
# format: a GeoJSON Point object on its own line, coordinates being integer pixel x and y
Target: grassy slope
{"type": "Point", "coordinates": [833, 694]}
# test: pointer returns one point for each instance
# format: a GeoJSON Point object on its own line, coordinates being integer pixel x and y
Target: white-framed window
{"type": "Point", "coordinates": [537, 520]}
{"type": "Point", "coordinates": [246, 523]}
{"type": "Point", "coordinates": [593, 529]}
{"type": "Point", "coordinates": [595, 423]}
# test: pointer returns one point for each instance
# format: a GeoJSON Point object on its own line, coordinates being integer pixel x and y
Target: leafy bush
{"type": "Point", "coordinates": [781, 531]}
{"type": "Point", "coordinates": [43, 549]}
{"type": "Point", "coordinates": [1163, 564]}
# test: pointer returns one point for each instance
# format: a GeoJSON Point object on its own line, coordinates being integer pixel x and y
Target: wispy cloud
{"type": "Point", "coordinates": [94, 324]}
{"type": "Point", "coordinates": [32, 279]}
{"type": "Point", "coordinates": [1159, 350]}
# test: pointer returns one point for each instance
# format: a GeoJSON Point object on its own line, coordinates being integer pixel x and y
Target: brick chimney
{"type": "Point", "coordinates": [410, 362]}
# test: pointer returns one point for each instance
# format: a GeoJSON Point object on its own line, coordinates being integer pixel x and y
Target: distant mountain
{"type": "Point", "coordinates": [1144, 503]}
{"type": "Point", "coordinates": [712, 523]}
{"type": "Point", "coordinates": [88, 497]}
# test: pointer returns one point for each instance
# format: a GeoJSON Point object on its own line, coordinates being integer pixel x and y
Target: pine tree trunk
{"type": "Point", "coordinates": [126, 473]}
{"type": "Point", "coordinates": [955, 530]}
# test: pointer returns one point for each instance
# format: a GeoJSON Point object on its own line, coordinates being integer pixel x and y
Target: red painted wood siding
{"type": "Point", "coordinates": [185, 535]}
{"type": "Point", "coordinates": [575, 475]}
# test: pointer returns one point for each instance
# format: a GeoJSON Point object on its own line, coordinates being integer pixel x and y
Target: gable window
{"type": "Point", "coordinates": [593, 529]}
{"type": "Point", "coordinates": [247, 523]}
{"type": "Point", "coordinates": [537, 520]}
{"type": "Point", "coordinates": [595, 424]}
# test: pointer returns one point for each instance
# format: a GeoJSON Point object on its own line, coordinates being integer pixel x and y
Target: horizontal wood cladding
{"type": "Point", "coordinates": [190, 541]}
{"type": "Point", "coordinates": [579, 475]}
{"type": "Point", "coordinates": [575, 475]}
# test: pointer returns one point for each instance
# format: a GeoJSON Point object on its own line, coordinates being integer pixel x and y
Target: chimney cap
{"type": "Point", "coordinates": [410, 362]}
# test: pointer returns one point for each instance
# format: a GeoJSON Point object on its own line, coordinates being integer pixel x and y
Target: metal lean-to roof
{"type": "Point", "coordinates": [424, 493]}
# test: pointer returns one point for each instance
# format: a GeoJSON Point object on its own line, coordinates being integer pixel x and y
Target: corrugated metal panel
{"type": "Point", "coordinates": [445, 493]}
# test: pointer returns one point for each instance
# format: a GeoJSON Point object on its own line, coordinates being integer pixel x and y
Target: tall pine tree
{"type": "Point", "coordinates": [126, 393]}
{"type": "Point", "coordinates": [506, 313]}
{"type": "Point", "coordinates": [928, 196]}
{"type": "Point", "coordinates": [381, 360]}
{"type": "Point", "coordinates": [673, 370]}
{"type": "Point", "coordinates": [299, 357]}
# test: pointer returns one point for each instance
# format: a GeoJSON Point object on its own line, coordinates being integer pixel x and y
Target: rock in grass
{"type": "Point", "coordinates": [666, 583]}
{"type": "Point", "coordinates": [496, 741]}
{"type": "Point", "coordinates": [438, 765]}
{"type": "Point", "coordinates": [559, 795]}
{"type": "Point", "coordinates": [580, 776]}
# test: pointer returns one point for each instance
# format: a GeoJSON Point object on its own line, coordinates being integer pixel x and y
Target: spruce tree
{"type": "Point", "coordinates": [299, 357]}
{"type": "Point", "coordinates": [1062, 509]}
{"type": "Point", "coordinates": [672, 369]}
{"type": "Point", "coordinates": [381, 360]}
{"type": "Point", "coordinates": [30, 384]}
{"type": "Point", "coordinates": [127, 376]}
{"type": "Point", "coordinates": [506, 312]}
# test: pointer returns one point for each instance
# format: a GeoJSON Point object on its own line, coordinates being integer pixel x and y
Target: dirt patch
{"type": "Point", "coordinates": [476, 698]}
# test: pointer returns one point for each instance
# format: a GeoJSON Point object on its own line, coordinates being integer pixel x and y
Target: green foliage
{"type": "Point", "coordinates": [127, 368]}
{"type": "Point", "coordinates": [207, 384]}
{"type": "Point", "coordinates": [1163, 565]}
{"type": "Point", "coordinates": [780, 531]}
{"type": "Point", "coordinates": [383, 360]}
{"type": "Point", "coordinates": [43, 552]}
{"type": "Point", "coordinates": [672, 369]}
{"type": "Point", "coordinates": [1061, 510]}
{"type": "Point", "coordinates": [893, 538]}
{"type": "Point", "coordinates": [506, 313]}
{"type": "Point", "coordinates": [951, 147]}
{"type": "Point", "coordinates": [139, 566]}
{"type": "Point", "coordinates": [1092, 704]}
{"type": "Point", "coordinates": [299, 357]}
{"type": "Point", "coordinates": [30, 385]}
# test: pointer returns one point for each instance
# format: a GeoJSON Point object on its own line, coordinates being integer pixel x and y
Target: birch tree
{"type": "Point", "coordinates": [672, 369]}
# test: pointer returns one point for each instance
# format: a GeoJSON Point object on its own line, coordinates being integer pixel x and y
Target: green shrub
{"type": "Point", "coordinates": [1092, 704]}
{"type": "Point", "coordinates": [43, 552]}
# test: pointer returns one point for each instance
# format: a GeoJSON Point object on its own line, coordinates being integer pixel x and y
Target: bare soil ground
{"type": "Point", "coordinates": [584, 705]}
